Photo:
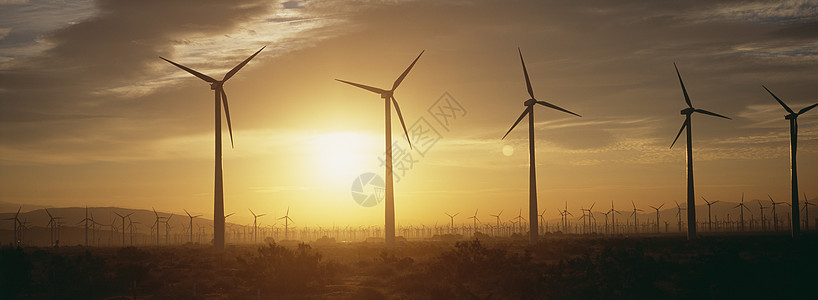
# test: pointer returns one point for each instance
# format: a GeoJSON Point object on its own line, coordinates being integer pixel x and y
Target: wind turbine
{"type": "Point", "coordinates": [679, 210]}
{"type": "Point", "coordinates": [123, 226]}
{"type": "Point", "coordinates": [633, 214]}
{"type": "Point", "coordinates": [775, 216]}
{"type": "Point", "coordinates": [564, 214]}
{"type": "Point", "coordinates": [532, 177]}
{"type": "Point", "coordinates": [497, 216]}
{"type": "Point", "coordinates": [806, 212]}
{"type": "Point", "coordinates": [542, 219]}
{"type": "Point", "coordinates": [691, 195]}
{"type": "Point", "coordinates": [54, 225]}
{"type": "Point", "coordinates": [589, 216]}
{"type": "Point", "coordinates": [741, 207]}
{"type": "Point", "coordinates": [762, 208]}
{"type": "Point", "coordinates": [156, 224]}
{"type": "Point", "coordinates": [613, 213]}
{"type": "Point", "coordinates": [287, 221]}
{"type": "Point", "coordinates": [218, 191]}
{"type": "Point", "coordinates": [793, 117]}
{"type": "Point", "coordinates": [475, 220]}
{"type": "Point", "coordinates": [709, 220]}
{"type": "Point", "coordinates": [657, 215]}
{"type": "Point", "coordinates": [17, 222]}
{"type": "Point", "coordinates": [255, 227]}
{"type": "Point", "coordinates": [451, 229]}
{"type": "Point", "coordinates": [389, 99]}
{"type": "Point", "coordinates": [191, 223]}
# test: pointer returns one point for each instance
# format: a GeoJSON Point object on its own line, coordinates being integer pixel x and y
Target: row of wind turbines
{"type": "Point", "coordinates": [388, 96]}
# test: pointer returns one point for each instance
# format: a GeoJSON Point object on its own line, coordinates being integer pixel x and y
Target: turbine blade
{"type": "Point", "coordinates": [556, 107]}
{"type": "Point", "coordinates": [403, 75]}
{"type": "Point", "coordinates": [687, 98]}
{"type": "Point", "coordinates": [241, 65]}
{"type": "Point", "coordinates": [525, 72]}
{"type": "Point", "coordinates": [366, 87]}
{"type": "Point", "coordinates": [191, 71]}
{"type": "Point", "coordinates": [400, 116]}
{"type": "Point", "coordinates": [805, 109]}
{"type": "Point", "coordinates": [679, 134]}
{"type": "Point", "coordinates": [525, 112]}
{"type": "Point", "coordinates": [227, 114]}
{"type": "Point", "coordinates": [710, 113]}
{"type": "Point", "coordinates": [779, 100]}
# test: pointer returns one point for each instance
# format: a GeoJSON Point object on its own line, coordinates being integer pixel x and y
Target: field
{"type": "Point", "coordinates": [560, 267]}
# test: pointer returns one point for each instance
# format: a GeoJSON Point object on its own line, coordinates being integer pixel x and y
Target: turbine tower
{"type": "Point", "coordinates": [191, 224]}
{"type": "Point", "coordinates": [218, 190]}
{"type": "Point", "coordinates": [389, 99]}
{"type": "Point", "coordinates": [793, 117]}
{"type": "Point", "coordinates": [532, 189]}
{"type": "Point", "coordinates": [691, 195]}
{"type": "Point", "coordinates": [255, 225]}
{"type": "Point", "coordinates": [709, 220]}
{"type": "Point", "coordinates": [741, 207]}
{"type": "Point", "coordinates": [657, 215]}
{"type": "Point", "coordinates": [123, 226]}
{"type": "Point", "coordinates": [451, 229]}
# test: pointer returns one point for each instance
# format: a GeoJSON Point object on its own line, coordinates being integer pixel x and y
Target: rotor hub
{"type": "Point", "coordinates": [216, 85]}
{"type": "Point", "coordinates": [687, 111]}
{"type": "Point", "coordinates": [386, 95]}
{"type": "Point", "coordinates": [530, 102]}
{"type": "Point", "coordinates": [791, 117]}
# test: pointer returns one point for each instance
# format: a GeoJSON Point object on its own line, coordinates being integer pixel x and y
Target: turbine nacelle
{"type": "Point", "coordinates": [216, 85]}
{"type": "Point", "coordinates": [530, 102]}
{"type": "Point", "coordinates": [386, 95]}
{"type": "Point", "coordinates": [792, 116]}
{"type": "Point", "coordinates": [688, 111]}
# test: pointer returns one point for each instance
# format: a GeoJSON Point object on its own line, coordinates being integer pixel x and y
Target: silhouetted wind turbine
{"type": "Point", "coordinates": [691, 195]}
{"type": "Point", "coordinates": [123, 226]}
{"type": "Point", "coordinates": [542, 219]}
{"type": "Point", "coordinates": [255, 227]}
{"type": "Point", "coordinates": [221, 97]}
{"type": "Point", "coordinates": [657, 215]}
{"type": "Point", "coordinates": [793, 117]}
{"type": "Point", "coordinates": [613, 213]}
{"type": "Point", "coordinates": [709, 220]}
{"type": "Point", "coordinates": [635, 224]}
{"type": "Point", "coordinates": [741, 207]}
{"type": "Point", "coordinates": [17, 222]}
{"type": "Point", "coordinates": [762, 208]}
{"type": "Point", "coordinates": [775, 216]}
{"type": "Point", "coordinates": [532, 178]}
{"type": "Point", "coordinates": [806, 212]}
{"type": "Point", "coordinates": [451, 229]}
{"type": "Point", "coordinates": [497, 216]}
{"type": "Point", "coordinates": [287, 221]}
{"type": "Point", "coordinates": [679, 210]}
{"type": "Point", "coordinates": [475, 220]}
{"type": "Point", "coordinates": [389, 99]}
{"type": "Point", "coordinates": [191, 223]}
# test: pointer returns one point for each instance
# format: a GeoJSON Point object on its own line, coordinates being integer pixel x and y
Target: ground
{"type": "Point", "coordinates": [559, 267]}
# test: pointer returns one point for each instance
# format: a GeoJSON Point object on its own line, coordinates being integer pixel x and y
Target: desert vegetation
{"type": "Point", "coordinates": [556, 268]}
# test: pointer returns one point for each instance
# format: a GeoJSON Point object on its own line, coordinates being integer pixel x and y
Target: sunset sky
{"type": "Point", "coordinates": [89, 114]}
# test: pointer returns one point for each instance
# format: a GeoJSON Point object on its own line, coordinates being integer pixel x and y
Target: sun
{"type": "Point", "coordinates": [341, 156]}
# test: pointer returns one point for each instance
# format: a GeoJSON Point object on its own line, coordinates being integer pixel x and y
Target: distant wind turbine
{"type": "Point", "coordinates": [635, 224]}
{"type": "Point", "coordinates": [793, 117]}
{"type": "Point", "coordinates": [497, 216]}
{"type": "Point", "coordinates": [451, 229]}
{"type": "Point", "coordinates": [123, 226]}
{"type": "Point", "coordinates": [191, 223]}
{"type": "Point", "coordinates": [775, 216]}
{"type": "Point", "coordinates": [709, 219]}
{"type": "Point", "coordinates": [475, 220]}
{"type": "Point", "coordinates": [532, 178]}
{"type": "Point", "coordinates": [255, 226]}
{"type": "Point", "coordinates": [18, 224]}
{"type": "Point", "coordinates": [679, 210]}
{"type": "Point", "coordinates": [741, 207]}
{"type": "Point", "coordinates": [806, 212]}
{"type": "Point", "coordinates": [691, 195]}
{"type": "Point", "coordinates": [657, 215]}
{"type": "Point", "coordinates": [287, 221]}
{"type": "Point", "coordinates": [221, 97]}
{"type": "Point", "coordinates": [389, 99]}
